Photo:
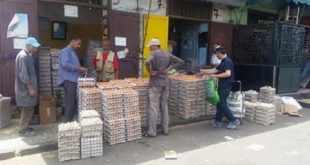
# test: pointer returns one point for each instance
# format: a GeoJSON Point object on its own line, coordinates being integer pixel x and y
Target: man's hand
{"type": "Point", "coordinates": [153, 72]}
{"type": "Point", "coordinates": [31, 91]}
{"type": "Point", "coordinates": [82, 70]}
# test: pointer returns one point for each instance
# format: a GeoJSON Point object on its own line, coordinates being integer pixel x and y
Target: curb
{"type": "Point", "coordinates": [8, 154]}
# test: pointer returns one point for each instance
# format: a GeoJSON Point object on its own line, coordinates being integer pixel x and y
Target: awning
{"type": "Point", "coordinates": [306, 2]}
{"type": "Point", "coordinates": [235, 3]}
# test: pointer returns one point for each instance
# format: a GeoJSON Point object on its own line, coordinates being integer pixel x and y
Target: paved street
{"type": "Point", "coordinates": [285, 143]}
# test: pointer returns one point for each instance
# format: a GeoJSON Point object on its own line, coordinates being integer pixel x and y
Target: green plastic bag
{"type": "Point", "coordinates": [212, 95]}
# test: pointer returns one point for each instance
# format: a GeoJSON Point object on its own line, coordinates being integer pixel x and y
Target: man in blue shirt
{"type": "Point", "coordinates": [225, 75]}
{"type": "Point", "coordinates": [69, 72]}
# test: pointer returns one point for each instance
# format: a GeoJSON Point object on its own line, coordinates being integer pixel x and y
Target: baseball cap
{"type": "Point", "coordinates": [220, 49]}
{"type": "Point", "coordinates": [154, 41]}
{"type": "Point", "coordinates": [32, 41]}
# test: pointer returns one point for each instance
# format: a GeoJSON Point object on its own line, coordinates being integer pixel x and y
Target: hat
{"type": "Point", "coordinates": [32, 41]}
{"type": "Point", "coordinates": [153, 42]}
{"type": "Point", "coordinates": [220, 49]}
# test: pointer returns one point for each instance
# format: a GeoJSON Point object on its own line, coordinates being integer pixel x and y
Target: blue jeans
{"type": "Point", "coordinates": [221, 107]}
{"type": "Point", "coordinates": [305, 72]}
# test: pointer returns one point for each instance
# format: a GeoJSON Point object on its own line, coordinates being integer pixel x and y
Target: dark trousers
{"type": "Point", "coordinates": [70, 100]}
{"type": "Point", "coordinates": [221, 107]}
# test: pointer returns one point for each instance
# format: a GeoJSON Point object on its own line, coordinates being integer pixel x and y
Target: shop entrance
{"type": "Point", "coordinates": [189, 40]}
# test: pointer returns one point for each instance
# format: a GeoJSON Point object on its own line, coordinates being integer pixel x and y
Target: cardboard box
{"type": "Point", "coordinates": [5, 111]}
{"type": "Point", "coordinates": [47, 109]}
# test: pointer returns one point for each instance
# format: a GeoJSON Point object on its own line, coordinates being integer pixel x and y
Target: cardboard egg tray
{"type": "Point", "coordinates": [69, 141]}
{"type": "Point", "coordinates": [88, 114]}
{"type": "Point", "coordinates": [91, 147]}
{"type": "Point", "coordinates": [91, 127]}
{"type": "Point", "coordinates": [114, 141]}
{"type": "Point", "coordinates": [251, 96]}
{"type": "Point", "coordinates": [250, 109]}
{"type": "Point", "coordinates": [114, 116]}
{"type": "Point", "coordinates": [105, 86]}
{"type": "Point", "coordinates": [86, 82]}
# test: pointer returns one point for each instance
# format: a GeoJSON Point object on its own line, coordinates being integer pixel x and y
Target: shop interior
{"type": "Point", "coordinates": [189, 40]}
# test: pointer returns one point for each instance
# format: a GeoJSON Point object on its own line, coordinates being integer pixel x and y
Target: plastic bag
{"type": "Point", "coordinates": [212, 95]}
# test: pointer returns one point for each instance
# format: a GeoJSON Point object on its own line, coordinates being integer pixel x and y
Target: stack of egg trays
{"type": "Point", "coordinates": [69, 141]}
{"type": "Point", "coordinates": [267, 94]}
{"type": "Point", "coordinates": [113, 116]}
{"type": "Point", "coordinates": [265, 114]}
{"type": "Point", "coordinates": [210, 109]}
{"type": "Point", "coordinates": [83, 82]}
{"type": "Point", "coordinates": [132, 115]}
{"type": "Point", "coordinates": [250, 111]}
{"type": "Point", "coordinates": [105, 86]}
{"type": "Point", "coordinates": [251, 96]}
{"type": "Point", "coordinates": [88, 114]}
{"type": "Point", "coordinates": [92, 47]}
{"type": "Point", "coordinates": [91, 99]}
{"type": "Point", "coordinates": [191, 99]}
{"type": "Point", "coordinates": [45, 78]}
{"type": "Point", "coordinates": [141, 86]}
{"type": "Point", "coordinates": [91, 141]}
{"type": "Point", "coordinates": [173, 96]}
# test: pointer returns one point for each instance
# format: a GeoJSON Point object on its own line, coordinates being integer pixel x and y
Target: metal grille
{"type": "Point", "coordinates": [291, 44]}
{"type": "Point", "coordinates": [275, 44]}
{"type": "Point", "coordinates": [254, 45]}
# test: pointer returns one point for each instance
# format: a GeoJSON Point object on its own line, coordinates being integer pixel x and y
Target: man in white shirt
{"type": "Point", "coordinates": [215, 62]}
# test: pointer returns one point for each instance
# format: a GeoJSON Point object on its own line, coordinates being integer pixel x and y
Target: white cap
{"type": "Point", "coordinates": [154, 41]}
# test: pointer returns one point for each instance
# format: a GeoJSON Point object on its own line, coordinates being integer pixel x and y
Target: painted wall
{"type": "Point", "coordinates": [222, 14]}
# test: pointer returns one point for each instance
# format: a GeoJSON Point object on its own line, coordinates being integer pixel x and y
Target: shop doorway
{"type": "Point", "coordinates": [189, 40]}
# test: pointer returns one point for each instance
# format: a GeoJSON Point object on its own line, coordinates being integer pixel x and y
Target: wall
{"type": "Point", "coordinates": [222, 14]}
{"type": "Point", "coordinates": [88, 25]}
{"type": "Point", "coordinates": [140, 8]}
{"type": "Point", "coordinates": [85, 31]}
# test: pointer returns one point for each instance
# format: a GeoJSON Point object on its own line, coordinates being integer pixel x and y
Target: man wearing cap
{"type": "Point", "coordinates": [158, 64]}
{"type": "Point", "coordinates": [69, 72]}
{"type": "Point", "coordinates": [225, 75]}
{"type": "Point", "coordinates": [26, 85]}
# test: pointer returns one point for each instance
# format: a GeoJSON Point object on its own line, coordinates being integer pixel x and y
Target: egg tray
{"type": "Point", "coordinates": [133, 127]}
{"type": "Point", "coordinates": [132, 116]}
{"type": "Point", "coordinates": [66, 157]}
{"type": "Point", "coordinates": [114, 123]}
{"type": "Point", "coordinates": [133, 137]}
{"type": "Point", "coordinates": [91, 147]}
{"type": "Point", "coordinates": [92, 133]}
{"type": "Point", "coordinates": [115, 116]}
{"type": "Point", "coordinates": [88, 114]}
{"type": "Point", "coordinates": [131, 109]}
{"type": "Point", "coordinates": [116, 141]}
{"type": "Point", "coordinates": [112, 110]}
{"type": "Point", "coordinates": [68, 144]}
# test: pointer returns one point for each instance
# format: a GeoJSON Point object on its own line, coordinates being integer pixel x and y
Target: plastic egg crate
{"type": "Point", "coordinates": [91, 147]}
{"type": "Point", "coordinates": [91, 127]}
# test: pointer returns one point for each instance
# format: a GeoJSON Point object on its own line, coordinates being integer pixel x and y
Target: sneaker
{"type": "Point", "coordinates": [234, 124]}
{"type": "Point", "coordinates": [216, 124]}
{"type": "Point", "coordinates": [27, 132]}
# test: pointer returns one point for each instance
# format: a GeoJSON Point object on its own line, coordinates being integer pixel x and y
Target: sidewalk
{"type": "Point", "coordinates": [12, 144]}
{"type": "Point", "coordinates": [46, 139]}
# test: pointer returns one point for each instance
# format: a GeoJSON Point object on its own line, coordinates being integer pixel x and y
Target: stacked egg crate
{"type": "Point", "coordinates": [251, 96]}
{"type": "Point", "coordinates": [45, 77]}
{"type": "Point", "coordinates": [92, 47]}
{"type": "Point", "coordinates": [267, 94]}
{"type": "Point", "coordinates": [92, 132]}
{"type": "Point", "coordinates": [69, 141]}
{"type": "Point", "coordinates": [83, 83]}
{"type": "Point", "coordinates": [250, 110]}
{"type": "Point", "coordinates": [55, 72]}
{"type": "Point", "coordinates": [190, 98]}
{"type": "Point", "coordinates": [265, 114]}
{"type": "Point", "coordinates": [90, 99]}
{"type": "Point", "coordinates": [142, 86]}
{"type": "Point", "coordinates": [131, 114]}
{"type": "Point", "coordinates": [113, 116]}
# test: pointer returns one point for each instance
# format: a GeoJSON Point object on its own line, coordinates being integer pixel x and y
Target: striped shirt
{"type": "Point", "coordinates": [69, 64]}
